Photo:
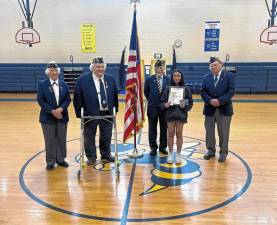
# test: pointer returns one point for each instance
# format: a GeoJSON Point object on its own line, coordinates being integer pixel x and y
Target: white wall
{"type": "Point", "coordinates": [160, 22]}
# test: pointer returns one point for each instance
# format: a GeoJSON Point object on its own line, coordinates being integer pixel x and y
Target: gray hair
{"type": "Point", "coordinates": [93, 64]}
{"type": "Point", "coordinates": [47, 71]}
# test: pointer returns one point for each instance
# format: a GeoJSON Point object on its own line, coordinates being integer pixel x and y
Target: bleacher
{"type": "Point", "coordinates": [20, 79]}
{"type": "Point", "coordinates": [25, 78]}
{"type": "Point", "coordinates": [250, 77]}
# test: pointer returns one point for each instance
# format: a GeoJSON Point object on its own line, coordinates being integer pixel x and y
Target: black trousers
{"type": "Point", "coordinates": [152, 131]}
{"type": "Point", "coordinates": [105, 136]}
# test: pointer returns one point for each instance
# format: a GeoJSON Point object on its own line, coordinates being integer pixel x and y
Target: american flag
{"type": "Point", "coordinates": [134, 97]}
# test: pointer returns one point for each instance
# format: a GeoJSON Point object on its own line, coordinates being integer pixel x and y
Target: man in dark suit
{"type": "Point", "coordinates": [97, 94]}
{"type": "Point", "coordinates": [54, 99]}
{"type": "Point", "coordinates": [217, 90]}
{"type": "Point", "coordinates": [153, 88]}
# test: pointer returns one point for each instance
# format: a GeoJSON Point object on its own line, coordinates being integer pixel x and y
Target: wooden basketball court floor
{"type": "Point", "coordinates": [241, 191]}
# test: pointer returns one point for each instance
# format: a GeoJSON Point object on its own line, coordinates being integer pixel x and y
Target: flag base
{"type": "Point", "coordinates": [135, 154]}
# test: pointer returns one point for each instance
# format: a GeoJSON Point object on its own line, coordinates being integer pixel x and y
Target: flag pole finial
{"type": "Point", "coordinates": [135, 3]}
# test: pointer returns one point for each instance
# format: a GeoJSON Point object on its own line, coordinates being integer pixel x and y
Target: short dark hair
{"type": "Point", "coordinates": [159, 63]}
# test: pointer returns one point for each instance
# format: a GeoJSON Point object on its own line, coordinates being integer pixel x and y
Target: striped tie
{"type": "Point", "coordinates": [159, 84]}
{"type": "Point", "coordinates": [215, 80]}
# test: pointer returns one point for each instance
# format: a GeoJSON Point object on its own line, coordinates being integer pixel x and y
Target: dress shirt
{"type": "Point", "coordinates": [218, 76]}
{"type": "Point", "coordinates": [97, 86]}
{"type": "Point", "coordinates": [55, 85]}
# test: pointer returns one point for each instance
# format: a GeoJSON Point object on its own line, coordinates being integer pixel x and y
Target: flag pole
{"type": "Point", "coordinates": [135, 153]}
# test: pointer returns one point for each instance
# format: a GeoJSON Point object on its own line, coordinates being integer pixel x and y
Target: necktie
{"type": "Point", "coordinates": [159, 84]}
{"type": "Point", "coordinates": [215, 80]}
{"type": "Point", "coordinates": [103, 95]}
{"type": "Point", "coordinates": [56, 91]}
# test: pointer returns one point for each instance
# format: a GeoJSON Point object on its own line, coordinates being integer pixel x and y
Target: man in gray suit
{"type": "Point", "coordinates": [218, 88]}
{"type": "Point", "coordinates": [54, 99]}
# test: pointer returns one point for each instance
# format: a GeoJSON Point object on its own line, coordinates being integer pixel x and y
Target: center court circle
{"type": "Point", "coordinates": [40, 201]}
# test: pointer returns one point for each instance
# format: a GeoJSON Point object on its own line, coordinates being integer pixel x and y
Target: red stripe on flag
{"type": "Point", "coordinates": [134, 112]}
{"type": "Point", "coordinates": [132, 70]}
{"type": "Point", "coordinates": [132, 58]}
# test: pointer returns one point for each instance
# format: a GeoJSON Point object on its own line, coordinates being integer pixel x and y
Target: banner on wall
{"type": "Point", "coordinates": [88, 39]}
{"type": "Point", "coordinates": [212, 32]}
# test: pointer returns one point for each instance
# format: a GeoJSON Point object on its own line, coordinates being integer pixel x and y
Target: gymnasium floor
{"type": "Point", "coordinates": [241, 191]}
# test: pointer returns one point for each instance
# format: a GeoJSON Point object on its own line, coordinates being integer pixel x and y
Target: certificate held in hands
{"type": "Point", "coordinates": [176, 95]}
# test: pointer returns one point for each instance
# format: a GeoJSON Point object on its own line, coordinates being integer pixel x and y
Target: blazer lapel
{"type": "Point", "coordinates": [61, 91]}
{"type": "Point", "coordinates": [51, 93]}
{"type": "Point", "coordinates": [164, 82]}
{"type": "Point", "coordinates": [92, 87]}
{"type": "Point", "coordinates": [92, 83]}
{"type": "Point", "coordinates": [221, 78]}
{"type": "Point", "coordinates": [211, 80]}
{"type": "Point", "coordinates": [107, 88]}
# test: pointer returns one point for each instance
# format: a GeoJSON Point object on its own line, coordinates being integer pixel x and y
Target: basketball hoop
{"type": "Point", "coordinates": [269, 35]}
{"type": "Point", "coordinates": [27, 36]}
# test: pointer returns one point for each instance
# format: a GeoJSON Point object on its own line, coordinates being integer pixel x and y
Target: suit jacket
{"type": "Point", "coordinates": [86, 96]}
{"type": "Point", "coordinates": [152, 94]}
{"type": "Point", "coordinates": [47, 101]}
{"type": "Point", "coordinates": [224, 91]}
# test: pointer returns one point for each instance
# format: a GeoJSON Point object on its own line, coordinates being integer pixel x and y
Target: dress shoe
{"type": "Point", "coordinates": [91, 161]}
{"type": "Point", "coordinates": [163, 151]}
{"type": "Point", "coordinates": [153, 152]}
{"type": "Point", "coordinates": [222, 158]}
{"type": "Point", "coordinates": [63, 164]}
{"type": "Point", "coordinates": [50, 167]}
{"type": "Point", "coordinates": [208, 155]}
{"type": "Point", "coordinates": [108, 158]}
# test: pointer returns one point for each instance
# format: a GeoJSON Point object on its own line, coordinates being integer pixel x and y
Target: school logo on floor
{"type": "Point", "coordinates": [163, 175]}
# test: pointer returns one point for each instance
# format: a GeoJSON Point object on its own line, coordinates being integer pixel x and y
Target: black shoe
{"type": "Point", "coordinates": [63, 164]}
{"type": "Point", "coordinates": [108, 158]}
{"type": "Point", "coordinates": [50, 167]}
{"type": "Point", "coordinates": [163, 151]}
{"type": "Point", "coordinates": [208, 155]}
{"type": "Point", "coordinates": [153, 152]}
{"type": "Point", "coordinates": [222, 158]}
{"type": "Point", "coordinates": [91, 161]}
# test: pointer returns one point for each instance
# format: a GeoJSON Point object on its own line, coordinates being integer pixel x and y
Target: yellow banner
{"type": "Point", "coordinates": [88, 38]}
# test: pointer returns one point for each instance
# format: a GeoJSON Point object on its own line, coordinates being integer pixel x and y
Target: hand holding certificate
{"type": "Point", "coordinates": [176, 95]}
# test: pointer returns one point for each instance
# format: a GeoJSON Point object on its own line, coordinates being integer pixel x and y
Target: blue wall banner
{"type": "Point", "coordinates": [212, 31]}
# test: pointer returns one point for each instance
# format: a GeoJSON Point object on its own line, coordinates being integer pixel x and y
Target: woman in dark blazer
{"type": "Point", "coordinates": [176, 115]}
{"type": "Point", "coordinates": [53, 98]}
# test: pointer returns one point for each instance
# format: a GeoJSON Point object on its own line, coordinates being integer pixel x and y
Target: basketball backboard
{"type": "Point", "coordinates": [27, 35]}
{"type": "Point", "coordinates": [269, 35]}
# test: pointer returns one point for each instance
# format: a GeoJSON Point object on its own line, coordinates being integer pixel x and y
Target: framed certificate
{"type": "Point", "coordinates": [176, 94]}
